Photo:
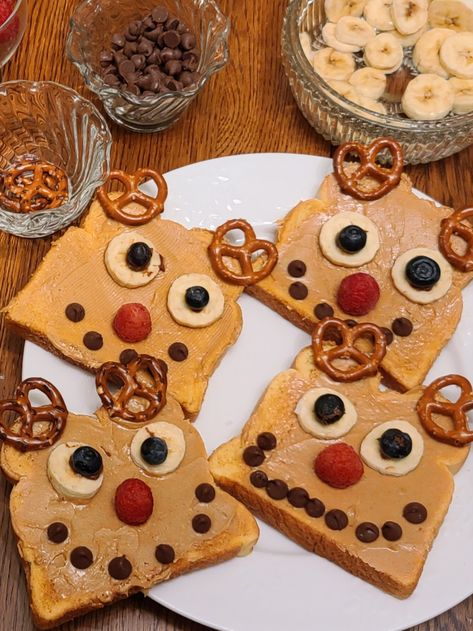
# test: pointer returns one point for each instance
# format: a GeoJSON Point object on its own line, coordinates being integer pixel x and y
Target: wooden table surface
{"type": "Point", "coordinates": [246, 108]}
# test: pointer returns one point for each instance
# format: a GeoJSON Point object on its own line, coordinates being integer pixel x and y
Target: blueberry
{"type": "Point", "coordinates": [351, 239]}
{"type": "Point", "coordinates": [154, 450]}
{"type": "Point", "coordinates": [395, 444]}
{"type": "Point", "coordinates": [423, 272]}
{"type": "Point", "coordinates": [197, 298]}
{"type": "Point", "coordinates": [138, 256]}
{"type": "Point", "coordinates": [329, 408]}
{"type": "Point", "coordinates": [87, 462]}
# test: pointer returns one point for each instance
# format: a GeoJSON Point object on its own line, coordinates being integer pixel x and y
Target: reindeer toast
{"type": "Point", "coordinates": [129, 282]}
{"type": "Point", "coordinates": [108, 505]}
{"type": "Point", "coordinates": [347, 471]}
{"type": "Point", "coordinates": [389, 258]}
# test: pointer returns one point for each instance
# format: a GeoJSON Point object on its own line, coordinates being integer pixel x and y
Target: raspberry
{"type": "Point", "coordinates": [358, 294]}
{"type": "Point", "coordinates": [132, 322]}
{"type": "Point", "coordinates": [339, 465]}
{"type": "Point", "coordinates": [133, 502]}
{"type": "Point", "coordinates": [9, 33]}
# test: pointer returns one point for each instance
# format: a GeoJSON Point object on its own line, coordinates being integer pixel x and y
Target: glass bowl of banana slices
{"type": "Point", "coordinates": [361, 69]}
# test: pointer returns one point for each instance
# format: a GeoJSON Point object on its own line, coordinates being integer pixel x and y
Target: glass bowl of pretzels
{"type": "Point", "coordinates": [346, 95]}
{"type": "Point", "coordinates": [54, 152]}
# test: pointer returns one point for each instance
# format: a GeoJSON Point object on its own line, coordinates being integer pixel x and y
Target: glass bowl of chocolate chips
{"type": "Point", "coordinates": [147, 61]}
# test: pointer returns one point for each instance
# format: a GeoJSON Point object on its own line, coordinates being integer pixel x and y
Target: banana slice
{"type": "Point", "coordinates": [354, 31]}
{"type": "Point", "coordinates": [426, 55]}
{"type": "Point", "coordinates": [329, 37]}
{"type": "Point", "coordinates": [456, 55]}
{"type": "Point", "coordinates": [422, 297]}
{"type": "Point", "coordinates": [345, 89]}
{"type": "Point", "coordinates": [311, 424]}
{"type": "Point", "coordinates": [210, 310]}
{"type": "Point", "coordinates": [409, 15]}
{"type": "Point", "coordinates": [332, 65]}
{"type": "Point", "coordinates": [371, 104]}
{"type": "Point", "coordinates": [370, 450]}
{"type": "Point", "coordinates": [336, 9]}
{"type": "Point", "coordinates": [451, 14]}
{"type": "Point", "coordinates": [407, 41]}
{"type": "Point", "coordinates": [378, 14]}
{"type": "Point", "coordinates": [115, 259]}
{"type": "Point", "coordinates": [171, 457]}
{"type": "Point", "coordinates": [384, 52]}
{"type": "Point", "coordinates": [369, 82]}
{"type": "Point", "coordinates": [463, 91]}
{"type": "Point", "coordinates": [428, 97]}
{"type": "Point", "coordinates": [328, 239]}
{"type": "Point", "coordinates": [65, 480]}
{"type": "Point", "coordinates": [306, 44]}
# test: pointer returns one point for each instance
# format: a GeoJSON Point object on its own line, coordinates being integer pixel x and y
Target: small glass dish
{"type": "Point", "coordinates": [12, 31]}
{"type": "Point", "coordinates": [340, 120]}
{"type": "Point", "coordinates": [91, 31]}
{"type": "Point", "coordinates": [51, 122]}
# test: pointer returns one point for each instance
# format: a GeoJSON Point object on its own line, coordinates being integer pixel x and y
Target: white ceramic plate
{"type": "Point", "coordinates": [281, 586]}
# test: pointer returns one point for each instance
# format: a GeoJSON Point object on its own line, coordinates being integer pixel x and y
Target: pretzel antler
{"type": "Point", "coordinates": [454, 225]}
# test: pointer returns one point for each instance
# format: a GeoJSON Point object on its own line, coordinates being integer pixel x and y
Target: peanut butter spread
{"type": "Point", "coordinates": [94, 523]}
{"type": "Point", "coordinates": [404, 222]}
{"type": "Point", "coordinates": [74, 272]}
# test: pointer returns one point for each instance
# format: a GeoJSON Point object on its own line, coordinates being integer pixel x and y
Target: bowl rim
{"type": "Point", "coordinates": [102, 130]}
{"type": "Point", "coordinates": [313, 82]}
{"type": "Point", "coordinates": [95, 83]}
{"type": "Point", "coordinates": [12, 14]}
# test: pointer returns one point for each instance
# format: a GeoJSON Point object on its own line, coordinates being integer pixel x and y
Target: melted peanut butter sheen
{"type": "Point", "coordinates": [74, 272]}
{"type": "Point", "coordinates": [93, 523]}
{"type": "Point", "coordinates": [376, 498]}
{"type": "Point", "coordinates": [404, 221]}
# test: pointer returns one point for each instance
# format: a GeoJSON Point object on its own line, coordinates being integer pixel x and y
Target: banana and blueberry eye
{"type": "Point", "coordinates": [393, 448]}
{"type": "Point", "coordinates": [131, 260]}
{"type": "Point", "coordinates": [195, 300]}
{"type": "Point", "coordinates": [75, 470]}
{"type": "Point", "coordinates": [422, 275]}
{"type": "Point", "coordinates": [325, 413]}
{"type": "Point", "coordinates": [349, 239]}
{"type": "Point", "coordinates": [158, 448]}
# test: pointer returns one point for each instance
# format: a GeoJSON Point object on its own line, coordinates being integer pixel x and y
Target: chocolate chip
{"type": "Point", "coordinates": [153, 35]}
{"type": "Point", "coordinates": [205, 492]}
{"type": "Point", "coordinates": [336, 519]}
{"type": "Point", "coordinates": [173, 67]}
{"type": "Point", "coordinates": [154, 58]}
{"type": "Point", "coordinates": [190, 61]}
{"type": "Point", "coordinates": [93, 340]}
{"type": "Point", "coordinates": [415, 513]}
{"type": "Point", "coordinates": [127, 356]}
{"type": "Point", "coordinates": [172, 23]}
{"type": "Point", "coordinates": [57, 532]}
{"type": "Point", "coordinates": [314, 507]}
{"type": "Point", "coordinates": [298, 291]}
{"type": "Point", "coordinates": [164, 554]}
{"type": "Point", "coordinates": [120, 568]}
{"type": "Point", "coordinates": [75, 312]}
{"type": "Point", "coordinates": [187, 41]}
{"type": "Point", "coordinates": [186, 79]}
{"type": "Point", "coordinates": [171, 39]}
{"type": "Point", "coordinates": [201, 523]}
{"type": "Point", "coordinates": [167, 54]}
{"type": "Point", "coordinates": [323, 310]}
{"type": "Point", "coordinates": [277, 489]}
{"type": "Point", "coordinates": [253, 456]}
{"type": "Point", "coordinates": [172, 85]}
{"type": "Point", "coordinates": [112, 80]}
{"type": "Point", "coordinates": [136, 27]}
{"type": "Point", "coordinates": [367, 532]}
{"type": "Point", "coordinates": [110, 70]}
{"type": "Point", "coordinates": [178, 351]}
{"type": "Point", "coordinates": [296, 269]}
{"type": "Point", "coordinates": [266, 441]}
{"type": "Point", "coordinates": [133, 88]}
{"type": "Point", "coordinates": [388, 334]}
{"type": "Point", "coordinates": [298, 497]}
{"type": "Point", "coordinates": [149, 23]}
{"type": "Point", "coordinates": [139, 61]}
{"type": "Point", "coordinates": [126, 68]}
{"type": "Point", "coordinates": [402, 327]}
{"type": "Point", "coordinates": [259, 479]}
{"type": "Point", "coordinates": [130, 48]}
{"type": "Point", "coordinates": [145, 47]}
{"type": "Point", "coordinates": [105, 58]}
{"type": "Point", "coordinates": [160, 14]}
{"type": "Point", "coordinates": [118, 41]}
{"type": "Point", "coordinates": [81, 558]}
{"type": "Point", "coordinates": [391, 531]}
{"type": "Point", "coordinates": [351, 323]}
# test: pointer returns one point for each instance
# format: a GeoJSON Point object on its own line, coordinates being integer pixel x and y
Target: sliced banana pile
{"type": "Point", "coordinates": [365, 40]}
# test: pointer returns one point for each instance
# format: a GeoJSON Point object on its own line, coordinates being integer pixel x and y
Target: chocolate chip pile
{"type": "Point", "coordinates": [154, 55]}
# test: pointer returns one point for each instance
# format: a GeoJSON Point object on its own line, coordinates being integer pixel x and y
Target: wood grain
{"type": "Point", "coordinates": [246, 108]}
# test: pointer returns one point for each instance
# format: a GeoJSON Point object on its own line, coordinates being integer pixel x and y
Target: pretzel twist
{"type": "Point", "coordinates": [345, 337]}
{"type": "Point", "coordinates": [428, 405]}
{"type": "Point", "coordinates": [248, 275]}
{"type": "Point", "coordinates": [117, 403]}
{"type": "Point", "coordinates": [388, 178]}
{"type": "Point", "coordinates": [454, 225]}
{"type": "Point", "coordinates": [116, 208]}
{"type": "Point", "coordinates": [33, 185]}
{"type": "Point", "coordinates": [21, 433]}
